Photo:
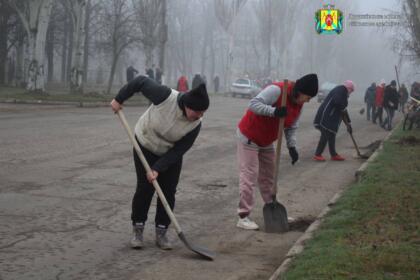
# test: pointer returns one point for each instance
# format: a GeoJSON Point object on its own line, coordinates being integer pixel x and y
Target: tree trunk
{"type": "Point", "coordinates": [49, 49]}
{"type": "Point", "coordinates": [69, 51]}
{"type": "Point", "coordinates": [112, 72]}
{"type": "Point", "coordinates": [163, 36]}
{"type": "Point", "coordinates": [4, 18]}
{"type": "Point", "coordinates": [38, 22]}
{"type": "Point", "coordinates": [148, 52]}
{"type": "Point", "coordinates": [20, 67]}
{"type": "Point", "coordinates": [64, 52]}
{"type": "Point", "coordinates": [87, 41]}
{"type": "Point", "coordinates": [76, 77]}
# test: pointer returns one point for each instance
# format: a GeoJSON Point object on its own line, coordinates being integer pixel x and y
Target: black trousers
{"type": "Point", "coordinates": [389, 116]}
{"type": "Point", "coordinates": [326, 137]}
{"type": "Point", "coordinates": [370, 111]}
{"type": "Point", "coordinates": [168, 181]}
{"type": "Point", "coordinates": [378, 115]}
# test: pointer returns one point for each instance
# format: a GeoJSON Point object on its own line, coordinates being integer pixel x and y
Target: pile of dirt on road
{"type": "Point", "coordinates": [409, 140]}
{"type": "Point", "coordinates": [301, 224]}
{"type": "Point", "coordinates": [372, 146]}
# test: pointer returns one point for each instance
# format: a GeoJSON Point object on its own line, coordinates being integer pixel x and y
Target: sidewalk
{"type": "Point", "coordinates": [373, 230]}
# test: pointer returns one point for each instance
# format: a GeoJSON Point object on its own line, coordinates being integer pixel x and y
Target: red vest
{"type": "Point", "coordinates": [263, 130]}
{"type": "Point", "coordinates": [379, 97]}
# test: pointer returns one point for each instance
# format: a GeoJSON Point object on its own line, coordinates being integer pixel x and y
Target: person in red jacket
{"type": "Point", "coordinates": [182, 84]}
{"type": "Point", "coordinates": [379, 99]}
{"type": "Point", "coordinates": [256, 132]}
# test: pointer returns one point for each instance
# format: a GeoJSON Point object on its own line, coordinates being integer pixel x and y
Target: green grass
{"type": "Point", "coordinates": [373, 230]}
{"type": "Point", "coordinates": [20, 94]}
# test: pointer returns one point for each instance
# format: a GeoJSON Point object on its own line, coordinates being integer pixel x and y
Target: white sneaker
{"type": "Point", "coordinates": [246, 223]}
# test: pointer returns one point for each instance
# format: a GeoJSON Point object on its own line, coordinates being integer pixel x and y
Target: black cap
{"type": "Point", "coordinates": [393, 83]}
{"type": "Point", "coordinates": [197, 99]}
{"type": "Point", "coordinates": [308, 85]}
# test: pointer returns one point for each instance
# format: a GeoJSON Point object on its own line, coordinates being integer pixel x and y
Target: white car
{"type": "Point", "coordinates": [245, 88]}
{"type": "Point", "coordinates": [324, 90]}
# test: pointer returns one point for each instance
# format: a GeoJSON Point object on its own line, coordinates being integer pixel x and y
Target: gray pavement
{"type": "Point", "coordinates": [67, 179]}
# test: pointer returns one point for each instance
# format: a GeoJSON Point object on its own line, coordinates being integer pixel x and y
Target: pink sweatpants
{"type": "Point", "coordinates": [255, 166]}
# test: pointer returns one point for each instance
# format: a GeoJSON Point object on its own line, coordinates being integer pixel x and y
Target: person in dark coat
{"type": "Point", "coordinates": [158, 75]}
{"type": "Point", "coordinates": [216, 82]}
{"type": "Point", "coordinates": [391, 100]}
{"type": "Point", "coordinates": [328, 118]}
{"type": "Point", "coordinates": [197, 80]}
{"type": "Point", "coordinates": [131, 73]}
{"type": "Point", "coordinates": [370, 101]}
{"type": "Point", "coordinates": [150, 73]}
{"type": "Point", "coordinates": [403, 97]}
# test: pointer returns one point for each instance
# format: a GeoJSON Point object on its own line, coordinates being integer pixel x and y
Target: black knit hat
{"type": "Point", "coordinates": [393, 83]}
{"type": "Point", "coordinates": [197, 99]}
{"type": "Point", "coordinates": [308, 85]}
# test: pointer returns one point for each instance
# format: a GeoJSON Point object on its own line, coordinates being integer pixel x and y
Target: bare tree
{"type": "Point", "coordinates": [163, 34]}
{"type": "Point", "coordinates": [149, 17]}
{"type": "Point", "coordinates": [408, 44]}
{"type": "Point", "coordinates": [5, 15]}
{"type": "Point", "coordinates": [77, 13]}
{"type": "Point", "coordinates": [118, 32]}
{"type": "Point", "coordinates": [35, 15]}
{"type": "Point", "coordinates": [264, 12]}
{"type": "Point", "coordinates": [226, 12]}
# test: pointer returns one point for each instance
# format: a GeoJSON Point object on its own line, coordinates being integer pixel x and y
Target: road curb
{"type": "Point", "coordinates": [362, 169]}
{"type": "Point", "coordinates": [299, 245]}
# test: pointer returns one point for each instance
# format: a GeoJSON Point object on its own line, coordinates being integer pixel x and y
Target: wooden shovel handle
{"type": "Point", "coordinates": [280, 136]}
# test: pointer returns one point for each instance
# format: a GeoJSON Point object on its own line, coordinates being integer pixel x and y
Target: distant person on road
{"type": "Point", "coordinates": [150, 73]}
{"type": "Point", "coordinates": [370, 101]}
{"type": "Point", "coordinates": [328, 119]}
{"type": "Point", "coordinates": [379, 100]}
{"type": "Point", "coordinates": [197, 80]}
{"type": "Point", "coordinates": [131, 73]}
{"type": "Point", "coordinates": [256, 132]}
{"type": "Point", "coordinates": [158, 75]}
{"type": "Point", "coordinates": [391, 100]}
{"type": "Point", "coordinates": [216, 83]}
{"type": "Point", "coordinates": [182, 85]}
{"type": "Point", "coordinates": [403, 97]}
{"type": "Point", "coordinates": [165, 132]}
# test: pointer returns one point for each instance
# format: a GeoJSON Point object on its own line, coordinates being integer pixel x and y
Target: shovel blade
{"type": "Point", "coordinates": [275, 217]}
{"type": "Point", "coordinates": [203, 252]}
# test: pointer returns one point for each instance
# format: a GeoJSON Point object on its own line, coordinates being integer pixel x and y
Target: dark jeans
{"type": "Point", "coordinates": [389, 116]}
{"type": "Point", "coordinates": [370, 111]}
{"type": "Point", "coordinates": [378, 115]}
{"type": "Point", "coordinates": [402, 107]}
{"type": "Point", "coordinates": [326, 137]}
{"type": "Point", "coordinates": [168, 180]}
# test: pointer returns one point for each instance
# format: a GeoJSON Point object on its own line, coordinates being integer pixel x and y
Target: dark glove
{"type": "Point", "coordinates": [349, 129]}
{"type": "Point", "coordinates": [280, 112]}
{"type": "Point", "coordinates": [293, 154]}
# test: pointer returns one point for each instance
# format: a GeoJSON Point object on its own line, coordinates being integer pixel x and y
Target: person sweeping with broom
{"type": "Point", "coordinates": [165, 132]}
{"type": "Point", "coordinates": [256, 132]}
{"type": "Point", "coordinates": [328, 119]}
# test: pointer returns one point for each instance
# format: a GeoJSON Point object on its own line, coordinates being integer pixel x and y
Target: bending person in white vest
{"type": "Point", "coordinates": [164, 132]}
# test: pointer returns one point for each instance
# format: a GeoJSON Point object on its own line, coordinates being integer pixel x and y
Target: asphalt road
{"type": "Point", "coordinates": [67, 179]}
